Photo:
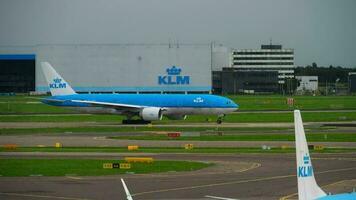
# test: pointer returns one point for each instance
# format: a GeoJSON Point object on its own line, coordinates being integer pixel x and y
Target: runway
{"type": "Point", "coordinates": [100, 140]}
{"type": "Point", "coordinates": [186, 124]}
{"type": "Point", "coordinates": [270, 176]}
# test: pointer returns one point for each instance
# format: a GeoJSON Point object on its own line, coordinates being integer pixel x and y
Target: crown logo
{"type": "Point", "coordinates": [306, 159]}
{"type": "Point", "coordinates": [198, 100]}
{"type": "Point", "coordinates": [57, 80]}
{"type": "Point", "coordinates": [173, 71]}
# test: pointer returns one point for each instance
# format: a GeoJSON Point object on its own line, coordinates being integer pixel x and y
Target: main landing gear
{"type": "Point", "coordinates": [135, 121]}
{"type": "Point", "coordinates": [130, 120]}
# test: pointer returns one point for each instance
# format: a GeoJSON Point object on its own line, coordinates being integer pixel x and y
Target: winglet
{"type": "Point", "coordinates": [57, 85]}
{"type": "Point", "coordinates": [128, 195]}
{"type": "Point", "coordinates": [307, 186]}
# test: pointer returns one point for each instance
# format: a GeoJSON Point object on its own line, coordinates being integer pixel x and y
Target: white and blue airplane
{"type": "Point", "coordinates": [149, 107]}
{"type": "Point", "coordinates": [308, 189]}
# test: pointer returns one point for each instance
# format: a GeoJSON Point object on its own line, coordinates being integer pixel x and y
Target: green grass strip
{"type": "Point", "coordinates": [79, 167]}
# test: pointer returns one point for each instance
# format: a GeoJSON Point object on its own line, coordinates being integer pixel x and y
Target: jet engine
{"type": "Point", "coordinates": [151, 114]}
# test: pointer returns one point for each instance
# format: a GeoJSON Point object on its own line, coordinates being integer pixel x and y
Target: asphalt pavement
{"type": "Point", "coordinates": [242, 176]}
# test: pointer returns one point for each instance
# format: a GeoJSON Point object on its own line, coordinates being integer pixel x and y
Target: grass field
{"type": "Point", "coordinates": [234, 118]}
{"type": "Point", "coordinates": [173, 150]}
{"type": "Point", "coordinates": [287, 117]}
{"type": "Point", "coordinates": [78, 167]}
{"type": "Point", "coordinates": [25, 104]}
{"type": "Point", "coordinates": [264, 102]}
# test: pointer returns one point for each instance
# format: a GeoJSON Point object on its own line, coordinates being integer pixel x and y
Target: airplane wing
{"type": "Point", "coordinates": [221, 198]}
{"type": "Point", "coordinates": [128, 195]}
{"type": "Point", "coordinates": [53, 100]}
{"type": "Point", "coordinates": [117, 106]}
{"type": "Point", "coordinates": [45, 99]}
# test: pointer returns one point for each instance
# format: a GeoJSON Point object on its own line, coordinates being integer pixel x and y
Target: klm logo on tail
{"type": "Point", "coordinates": [57, 84]}
{"type": "Point", "coordinates": [305, 170]}
{"type": "Point", "coordinates": [173, 77]}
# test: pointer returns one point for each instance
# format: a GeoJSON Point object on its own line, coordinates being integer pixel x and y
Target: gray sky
{"type": "Point", "coordinates": [321, 31]}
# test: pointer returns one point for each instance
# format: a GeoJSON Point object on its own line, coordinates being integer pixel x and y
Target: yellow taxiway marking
{"type": "Point", "coordinates": [288, 196]}
{"type": "Point", "coordinates": [213, 184]}
{"type": "Point", "coordinates": [40, 196]}
{"type": "Point", "coordinates": [74, 177]}
{"type": "Point", "coordinates": [235, 182]}
{"type": "Point", "coordinates": [253, 166]}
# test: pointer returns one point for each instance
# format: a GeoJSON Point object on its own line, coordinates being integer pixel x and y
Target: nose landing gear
{"type": "Point", "coordinates": [220, 118]}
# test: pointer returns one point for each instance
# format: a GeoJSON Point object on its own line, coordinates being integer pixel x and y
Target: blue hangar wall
{"type": "Point", "coordinates": [17, 73]}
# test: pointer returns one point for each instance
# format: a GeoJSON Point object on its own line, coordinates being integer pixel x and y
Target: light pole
{"type": "Point", "coordinates": [336, 81]}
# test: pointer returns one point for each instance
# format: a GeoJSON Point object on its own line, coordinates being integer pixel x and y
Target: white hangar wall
{"type": "Point", "coordinates": [128, 67]}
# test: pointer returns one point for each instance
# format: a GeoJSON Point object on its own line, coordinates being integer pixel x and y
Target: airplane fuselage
{"type": "Point", "coordinates": [171, 104]}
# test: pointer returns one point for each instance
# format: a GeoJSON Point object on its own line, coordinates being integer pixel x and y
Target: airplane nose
{"type": "Point", "coordinates": [236, 106]}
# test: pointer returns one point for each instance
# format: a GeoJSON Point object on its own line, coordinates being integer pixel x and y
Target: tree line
{"type": "Point", "coordinates": [325, 74]}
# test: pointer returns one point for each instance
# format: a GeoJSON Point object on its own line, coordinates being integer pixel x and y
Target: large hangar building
{"type": "Point", "coordinates": [129, 68]}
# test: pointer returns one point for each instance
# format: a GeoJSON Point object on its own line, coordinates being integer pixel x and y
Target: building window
{"type": "Point", "coordinates": [263, 63]}
{"type": "Point", "coordinates": [264, 53]}
{"type": "Point", "coordinates": [263, 58]}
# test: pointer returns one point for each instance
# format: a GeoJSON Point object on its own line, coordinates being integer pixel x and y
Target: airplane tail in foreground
{"type": "Point", "coordinates": [308, 189]}
{"type": "Point", "coordinates": [57, 85]}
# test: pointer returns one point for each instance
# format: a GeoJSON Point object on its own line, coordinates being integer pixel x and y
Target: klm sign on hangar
{"type": "Point", "coordinates": [173, 77]}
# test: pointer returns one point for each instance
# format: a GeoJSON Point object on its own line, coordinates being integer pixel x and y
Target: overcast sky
{"type": "Point", "coordinates": [321, 31]}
